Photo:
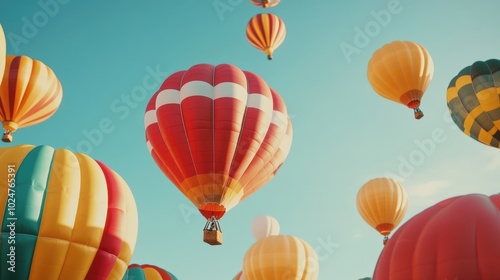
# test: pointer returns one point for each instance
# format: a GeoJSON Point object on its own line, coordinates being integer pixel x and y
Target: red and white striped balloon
{"type": "Point", "coordinates": [218, 133]}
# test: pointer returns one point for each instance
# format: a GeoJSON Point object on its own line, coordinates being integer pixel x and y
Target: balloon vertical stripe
{"type": "Point", "coordinates": [111, 240]}
{"type": "Point", "coordinates": [58, 213]}
{"type": "Point", "coordinates": [13, 85]}
{"type": "Point", "coordinates": [31, 183]}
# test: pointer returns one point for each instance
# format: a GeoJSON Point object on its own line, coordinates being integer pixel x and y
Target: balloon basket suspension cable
{"type": "Point", "coordinates": [212, 233]}
{"type": "Point", "coordinates": [7, 136]}
{"type": "Point", "coordinates": [385, 239]}
{"type": "Point", "coordinates": [418, 113]}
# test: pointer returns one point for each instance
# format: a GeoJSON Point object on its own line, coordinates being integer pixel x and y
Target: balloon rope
{"type": "Point", "coordinates": [212, 224]}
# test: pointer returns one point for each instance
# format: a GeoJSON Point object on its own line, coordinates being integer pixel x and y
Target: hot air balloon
{"type": "Point", "coordinates": [382, 203]}
{"type": "Point", "coordinates": [147, 272]}
{"type": "Point", "coordinates": [401, 71]}
{"type": "Point", "coordinates": [65, 216]}
{"type": "Point", "coordinates": [280, 257]}
{"type": "Point", "coordinates": [265, 3]}
{"type": "Point", "coordinates": [473, 101]}
{"type": "Point", "coordinates": [219, 134]}
{"type": "Point", "coordinates": [456, 238]}
{"type": "Point", "coordinates": [264, 226]}
{"type": "Point", "coordinates": [29, 94]}
{"type": "Point", "coordinates": [266, 32]}
{"type": "Point", "coordinates": [3, 54]}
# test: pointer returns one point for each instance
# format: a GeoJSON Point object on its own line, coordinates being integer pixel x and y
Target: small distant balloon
{"type": "Point", "coordinates": [266, 32]}
{"type": "Point", "coordinates": [265, 3]}
{"type": "Point", "coordinates": [264, 226]}
{"type": "Point", "coordinates": [147, 272]}
{"type": "Point", "coordinates": [281, 257]}
{"type": "Point", "coordinates": [382, 203]}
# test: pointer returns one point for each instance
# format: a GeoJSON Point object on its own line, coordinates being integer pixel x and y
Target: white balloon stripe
{"type": "Point", "coordinates": [150, 118]}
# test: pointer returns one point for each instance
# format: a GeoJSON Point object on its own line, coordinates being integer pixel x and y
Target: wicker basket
{"type": "Point", "coordinates": [7, 137]}
{"type": "Point", "coordinates": [212, 237]}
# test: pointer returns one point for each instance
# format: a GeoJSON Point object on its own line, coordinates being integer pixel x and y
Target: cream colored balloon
{"type": "Point", "coordinates": [264, 226]}
{"type": "Point", "coordinates": [279, 257]}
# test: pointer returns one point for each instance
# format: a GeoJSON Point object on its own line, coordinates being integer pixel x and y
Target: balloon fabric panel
{"type": "Point", "coordinates": [31, 184]}
{"type": "Point", "coordinates": [113, 232]}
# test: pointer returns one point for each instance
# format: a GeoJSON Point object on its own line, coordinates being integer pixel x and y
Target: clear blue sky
{"type": "Point", "coordinates": [344, 133]}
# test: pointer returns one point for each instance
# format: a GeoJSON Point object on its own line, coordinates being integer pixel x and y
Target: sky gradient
{"type": "Point", "coordinates": [112, 56]}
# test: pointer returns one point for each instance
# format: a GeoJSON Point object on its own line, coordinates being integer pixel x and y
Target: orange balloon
{"type": "Point", "coordinates": [382, 203]}
{"type": "Point", "coordinates": [401, 71]}
{"type": "Point", "coordinates": [30, 93]}
{"type": "Point", "coordinates": [266, 32]}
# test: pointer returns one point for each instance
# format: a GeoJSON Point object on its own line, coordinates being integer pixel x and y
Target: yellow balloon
{"type": "Point", "coordinates": [401, 71]}
{"type": "Point", "coordinates": [382, 203]}
{"type": "Point", "coordinates": [280, 257]}
{"type": "Point", "coordinates": [76, 218]}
